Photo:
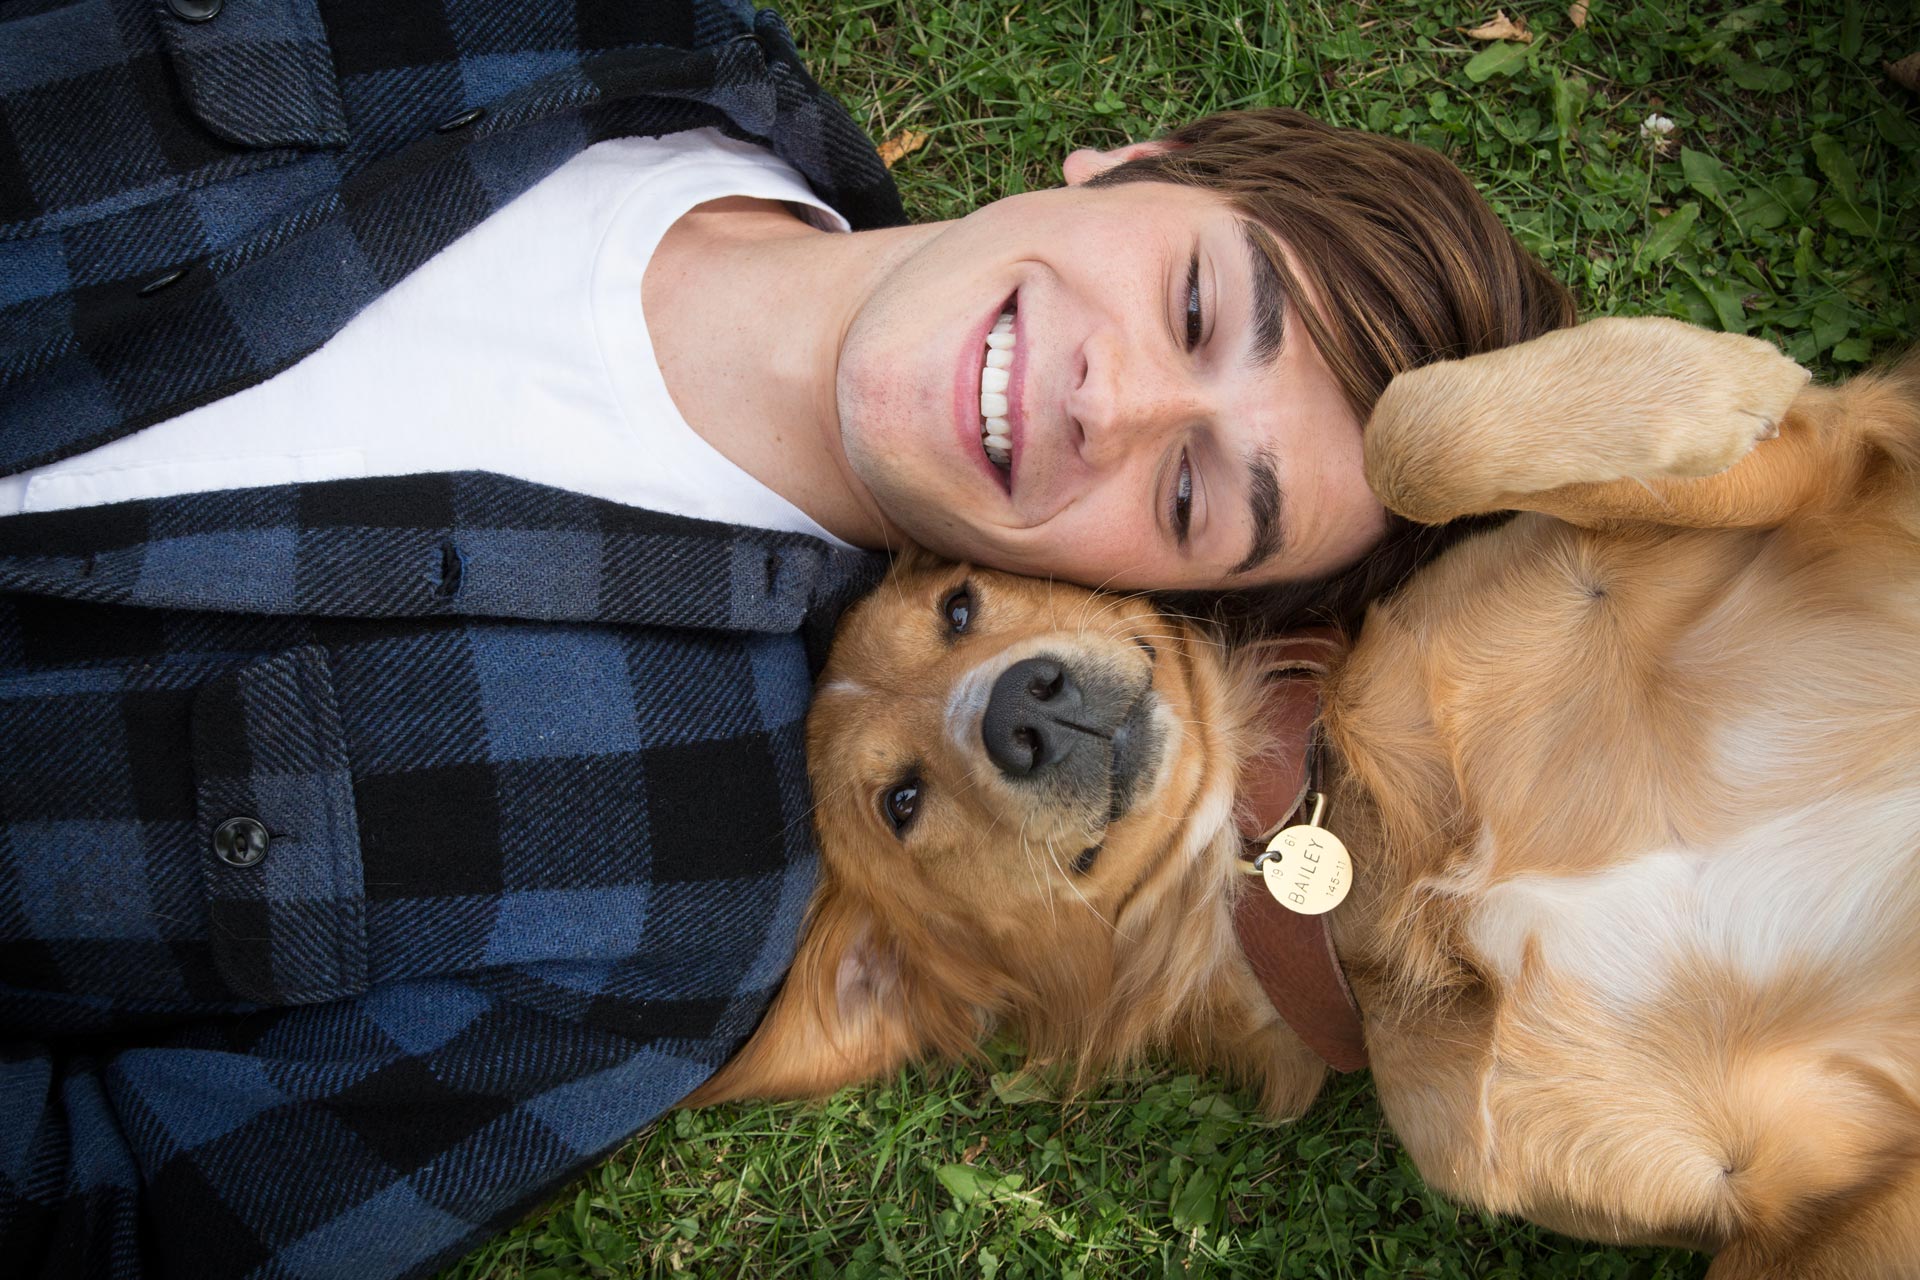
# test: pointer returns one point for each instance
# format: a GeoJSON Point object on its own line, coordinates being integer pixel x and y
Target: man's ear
{"type": "Point", "coordinates": [841, 1017]}
{"type": "Point", "coordinates": [1086, 163]}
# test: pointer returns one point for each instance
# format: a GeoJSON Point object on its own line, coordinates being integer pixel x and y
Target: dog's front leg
{"type": "Point", "coordinates": [1634, 400]}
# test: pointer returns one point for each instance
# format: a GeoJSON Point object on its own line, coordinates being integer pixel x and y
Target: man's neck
{"type": "Point", "coordinates": [748, 308]}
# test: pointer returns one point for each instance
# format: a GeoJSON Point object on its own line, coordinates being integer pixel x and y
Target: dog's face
{"type": "Point", "coordinates": [1024, 795]}
{"type": "Point", "coordinates": [1000, 753]}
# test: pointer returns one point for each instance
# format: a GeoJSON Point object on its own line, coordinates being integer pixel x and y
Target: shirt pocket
{"type": "Point", "coordinates": [115, 778]}
{"type": "Point", "coordinates": [259, 74]}
{"type": "Point", "coordinates": [279, 835]}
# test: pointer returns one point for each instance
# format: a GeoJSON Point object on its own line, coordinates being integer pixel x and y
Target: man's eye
{"type": "Point", "coordinates": [900, 804]}
{"type": "Point", "coordinates": [1194, 317]}
{"type": "Point", "coordinates": [1180, 502]}
{"type": "Point", "coordinates": [958, 609]}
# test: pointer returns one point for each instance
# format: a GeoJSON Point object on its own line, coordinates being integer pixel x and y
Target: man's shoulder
{"type": "Point", "coordinates": [223, 232]}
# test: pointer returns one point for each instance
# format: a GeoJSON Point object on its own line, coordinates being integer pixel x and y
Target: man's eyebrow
{"type": "Point", "coordinates": [1268, 510]}
{"type": "Point", "coordinates": [1269, 302]}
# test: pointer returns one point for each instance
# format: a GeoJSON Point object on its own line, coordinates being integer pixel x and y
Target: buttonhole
{"type": "Point", "coordinates": [461, 121]}
{"type": "Point", "coordinates": [453, 569]}
{"type": "Point", "coordinates": [163, 280]}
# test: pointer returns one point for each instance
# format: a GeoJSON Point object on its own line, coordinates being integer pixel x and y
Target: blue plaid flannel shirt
{"type": "Point", "coordinates": [529, 763]}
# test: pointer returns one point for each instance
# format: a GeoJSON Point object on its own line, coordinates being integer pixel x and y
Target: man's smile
{"type": "Point", "coordinates": [987, 394]}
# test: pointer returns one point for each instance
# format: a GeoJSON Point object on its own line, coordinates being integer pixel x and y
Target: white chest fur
{"type": "Point", "coordinates": [1834, 882]}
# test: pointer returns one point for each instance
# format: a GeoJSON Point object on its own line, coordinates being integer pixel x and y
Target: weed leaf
{"type": "Point", "coordinates": [1759, 79]}
{"type": "Point", "coordinates": [1501, 59]}
{"type": "Point", "coordinates": [1013, 1087]}
{"type": "Point", "coordinates": [969, 1184]}
{"type": "Point", "coordinates": [1851, 218]}
{"type": "Point", "coordinates": [1707, 176]}
{"type": "Point", "coordinates": [1197, 1201]}
{"type": "Point", "coordinates": [1893, 123]}
{"type": "Point", "coordinates": [1836, 164]}
{"type": "Point", "coordinates": [1570, 95]}
{"type": "Point", "coordinates": [1668, 233]}
{"type": "Point", "coordinates": [1725, 302]}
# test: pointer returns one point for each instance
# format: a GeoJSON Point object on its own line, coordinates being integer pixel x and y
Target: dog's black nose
{"type": "Point", "coordinates": [1030, 716]}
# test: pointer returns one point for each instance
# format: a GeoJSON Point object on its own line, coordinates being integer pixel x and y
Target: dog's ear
{"type": "Point", "coordinates": [1286, 671]}
{"type": "Point", "coordinates": [842, 1016]}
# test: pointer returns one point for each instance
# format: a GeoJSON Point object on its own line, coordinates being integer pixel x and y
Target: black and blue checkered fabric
{"type": "Point", "coordinates": [529, 763]}
{"type": "Point", "coordinates": [531, 766]}
{"type": "Point", "coordinates": [295, 159]}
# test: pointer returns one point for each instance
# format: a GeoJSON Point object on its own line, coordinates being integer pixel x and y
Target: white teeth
{"type": "Point", "coordinates": [996, 433]}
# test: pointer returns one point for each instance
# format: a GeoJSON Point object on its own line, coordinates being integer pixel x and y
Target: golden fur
{"type": "Point", "coordinates": [1632, 784]}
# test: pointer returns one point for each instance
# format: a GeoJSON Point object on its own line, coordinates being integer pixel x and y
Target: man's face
{"type": "Point", "coordinates": [1157, 436]}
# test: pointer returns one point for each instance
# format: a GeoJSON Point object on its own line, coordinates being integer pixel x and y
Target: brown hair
{"type": "Point", "coordinates": [1410, 266]}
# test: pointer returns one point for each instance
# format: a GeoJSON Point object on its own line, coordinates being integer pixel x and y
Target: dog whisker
{"type": "Point", "coordinates": [1026, 851]}
{"type": "Point", "coordinates": [1077, 892]}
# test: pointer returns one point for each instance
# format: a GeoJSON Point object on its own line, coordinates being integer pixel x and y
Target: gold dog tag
{"type": "Point", "coordinates": [1306, 867]}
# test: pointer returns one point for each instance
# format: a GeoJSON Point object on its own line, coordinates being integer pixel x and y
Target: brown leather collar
{"type": "Point", "coordinates": [1292, 955]}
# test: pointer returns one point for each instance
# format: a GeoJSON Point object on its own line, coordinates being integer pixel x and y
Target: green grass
{"type": "Point", "coordinates": [1787, 204]}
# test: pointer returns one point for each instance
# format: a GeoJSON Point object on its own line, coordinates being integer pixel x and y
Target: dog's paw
{"type": "Point", "coordinates": [1722, 395]}
{"type": "Point", "coordinates": [1624, 398]}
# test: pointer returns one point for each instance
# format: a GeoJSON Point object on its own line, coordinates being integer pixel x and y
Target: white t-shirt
{"type": "Point", "coordinates": [521, 348]}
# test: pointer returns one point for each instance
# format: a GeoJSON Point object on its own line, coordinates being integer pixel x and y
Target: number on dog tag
{"type": "Point", "coordinates": [1306, 867]}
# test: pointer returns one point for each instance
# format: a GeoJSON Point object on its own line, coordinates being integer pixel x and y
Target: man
{"type": "Point", "coordinates": [418, 531]}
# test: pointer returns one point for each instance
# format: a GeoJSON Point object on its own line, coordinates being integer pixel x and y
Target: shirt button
{"type": "Point", "coordinates": [195, 10]}
{"type": "Point", "coordinates": [240, 842]}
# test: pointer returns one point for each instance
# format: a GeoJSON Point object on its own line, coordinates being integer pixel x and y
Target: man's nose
{"type": "Point", "coordinates": [1125, 397]}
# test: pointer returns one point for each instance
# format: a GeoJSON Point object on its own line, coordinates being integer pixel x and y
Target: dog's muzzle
{"type": "Point", "coordinates": [1081, 732]}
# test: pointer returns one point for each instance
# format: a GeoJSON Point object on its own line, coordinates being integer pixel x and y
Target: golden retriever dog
{"type": "Point", "coordinates": [1631, 785]}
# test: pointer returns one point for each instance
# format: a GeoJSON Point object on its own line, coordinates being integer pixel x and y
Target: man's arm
{"type": "Point", "coordinates": [375, 1137]}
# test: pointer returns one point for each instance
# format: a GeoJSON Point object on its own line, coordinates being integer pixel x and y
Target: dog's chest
{"type": "Point", "coordinates": [1828, 886]}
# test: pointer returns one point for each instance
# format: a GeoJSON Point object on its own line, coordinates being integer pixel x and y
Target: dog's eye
{"type": "Point", "coordinates": [901, 804]}
{"type": "Point", "coordinates": [1084, 863]}
{"type": "Point", "coordinates": [959, 609]}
